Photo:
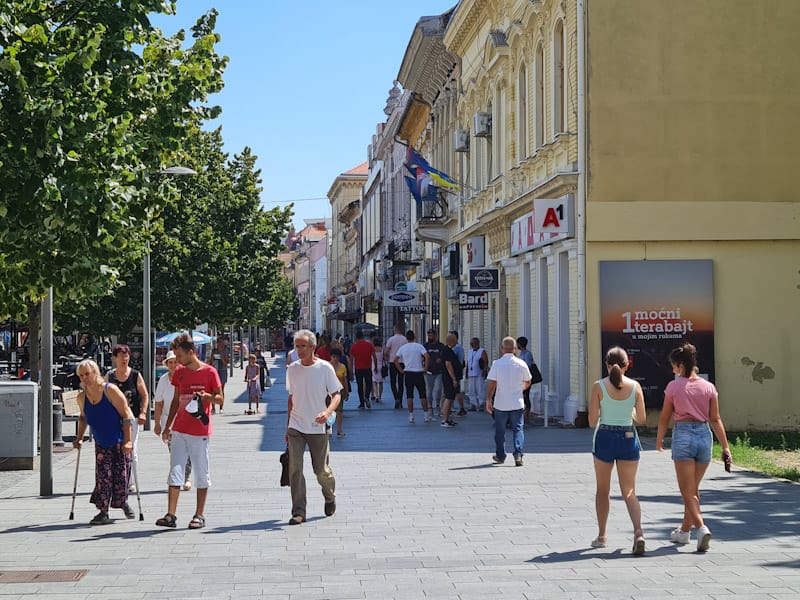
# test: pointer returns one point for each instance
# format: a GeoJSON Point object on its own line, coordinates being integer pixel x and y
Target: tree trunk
{"type": "Point", "coordinates": [34, 333]}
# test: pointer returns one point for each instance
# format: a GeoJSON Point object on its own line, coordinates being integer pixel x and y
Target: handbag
{"type": "Point", "coordinates": [267, 381]}
{"type": "Point", "coordinates": [385, 371]}
{"type": "Point", "coordinates": [284, 458]}
{"type": "Point", "coordinates": [536, 375]}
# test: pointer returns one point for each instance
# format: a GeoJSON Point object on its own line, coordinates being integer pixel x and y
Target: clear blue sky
{"type": "Point", "coordinates": [306, 85]}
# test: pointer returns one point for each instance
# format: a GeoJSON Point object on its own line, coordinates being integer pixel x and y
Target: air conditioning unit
{"type": "Point", "coordinates": [461, 140]}
{"type": "Point", "coordinates": [483, 124]}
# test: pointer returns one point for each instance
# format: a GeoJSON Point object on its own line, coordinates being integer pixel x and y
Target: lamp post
{"type": "Point", "coordinates": [147, 334]}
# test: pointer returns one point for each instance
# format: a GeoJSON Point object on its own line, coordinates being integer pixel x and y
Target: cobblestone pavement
{"type": "Point", "coordinates": [421, 514]}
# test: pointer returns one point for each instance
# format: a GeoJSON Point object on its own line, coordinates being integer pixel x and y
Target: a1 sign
{"type": "Point", "coordinates": [554, 216]}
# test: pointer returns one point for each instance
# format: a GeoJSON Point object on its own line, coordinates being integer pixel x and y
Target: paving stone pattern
{"type": "Point", "coordinates": [421, 514]}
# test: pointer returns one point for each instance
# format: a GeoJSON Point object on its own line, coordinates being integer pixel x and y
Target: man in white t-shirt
{"type": "Point", "coordinates": [477, 368]}
{"type": "Point", "coordinates": [165, 392]}
{"type": "Point", "coordinates": [507, 378]}
{"type": "Point", "coordinates": [390, 349]}
{"type": "Point", "coordinates": [411, 361]}
{"type": "Point", "coordinates": [309, 381]}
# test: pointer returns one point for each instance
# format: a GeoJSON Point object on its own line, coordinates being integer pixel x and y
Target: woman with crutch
{"type": "Point", "coordinates": [104, 407]}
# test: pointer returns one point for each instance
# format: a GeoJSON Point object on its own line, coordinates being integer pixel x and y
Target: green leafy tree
{"type": "Point", "coordinates": [280, 306]}
{"type": "Point", "coordinates": [92, 97]}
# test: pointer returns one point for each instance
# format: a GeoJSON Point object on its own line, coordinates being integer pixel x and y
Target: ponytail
{"type": "Point", "coordinates": [685, 356]}
{"type": "Point", "coordinates": [616, 360]}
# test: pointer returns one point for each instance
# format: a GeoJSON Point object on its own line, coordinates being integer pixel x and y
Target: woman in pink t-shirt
{"type": "Point", "coordinates": [692, 403]}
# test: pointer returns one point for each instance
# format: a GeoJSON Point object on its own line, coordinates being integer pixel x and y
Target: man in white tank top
{"type": "Point", "coordinates": [477, 368]}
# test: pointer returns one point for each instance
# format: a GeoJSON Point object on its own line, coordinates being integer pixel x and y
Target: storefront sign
{"type": "Point", "coordinates": [524, 239]}
{"type": "Point", "coordinates": [413, 309]}
{"type": "Point", "coordinates": [484, 280]}
{"type": "Point", "coordinates": [400, 298]}
{"type": "Point", "coordinates": [554, 215]}
{"type": "Point", "coordinates": [476, 252]}
{"type": "Point", "coordinates": [436, 259]}
{"type": "Point", "coordinates": [650, 307]}
{"type": "Point", "coordinates": [473, 301]}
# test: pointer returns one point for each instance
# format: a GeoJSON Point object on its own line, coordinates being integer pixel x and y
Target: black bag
{"type": "Point", "coordinates": [385, 371]}
{"type": "Point", "coordinates": [536, 375]}
{"type": "Point", "coordinates": [284, 458]}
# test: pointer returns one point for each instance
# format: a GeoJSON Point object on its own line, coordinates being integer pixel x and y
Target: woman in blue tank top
{"type": "Point", "coordinates": [615, 403]}
{"type": "Point", "coordinates": [104, 407]}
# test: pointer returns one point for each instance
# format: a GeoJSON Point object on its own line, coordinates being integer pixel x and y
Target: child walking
{"type": "Point", "coordinates": [251, 377]}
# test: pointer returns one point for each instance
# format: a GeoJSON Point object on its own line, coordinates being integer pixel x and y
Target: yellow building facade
{"type": "Point", "coordinates": [670, 132]}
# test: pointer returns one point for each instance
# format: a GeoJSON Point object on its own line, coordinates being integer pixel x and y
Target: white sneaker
{"type": "Point", "coordinates": [703, 538]}
{"type": "Point", "coordinates": [410, 417]}
{"type": "Point", "coordinates": [429, 416]}
{"type": "Point", "coordinates": [679, 536]}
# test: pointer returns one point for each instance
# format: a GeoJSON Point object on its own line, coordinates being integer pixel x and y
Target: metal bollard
{"type": "Point", "coordinates": [57, 422]}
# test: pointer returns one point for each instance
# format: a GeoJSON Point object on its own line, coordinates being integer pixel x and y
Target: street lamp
{"type": "Point", "coordinates": [147, 355]}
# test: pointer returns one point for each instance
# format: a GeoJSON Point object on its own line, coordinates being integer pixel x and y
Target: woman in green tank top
{"type": "Point", "coordinates": [615, 403]}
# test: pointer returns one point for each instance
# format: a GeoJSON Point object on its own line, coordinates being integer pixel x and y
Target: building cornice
{"type": "Point", "coordinates": [464, 25]}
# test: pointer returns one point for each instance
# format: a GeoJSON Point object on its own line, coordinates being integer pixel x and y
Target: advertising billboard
{"type": "Point", "coordinates": [649, 307]}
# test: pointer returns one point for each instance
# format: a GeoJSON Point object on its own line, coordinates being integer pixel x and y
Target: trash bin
{"type": "Point", "coordinates": [19, 422]}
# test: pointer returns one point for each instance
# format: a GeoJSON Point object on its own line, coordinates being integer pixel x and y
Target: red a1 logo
{"type": "Point", "coordinates": [553, 216]}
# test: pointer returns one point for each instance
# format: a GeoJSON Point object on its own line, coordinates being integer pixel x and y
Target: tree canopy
{"type": "Point", "coordinates": [93, 101]}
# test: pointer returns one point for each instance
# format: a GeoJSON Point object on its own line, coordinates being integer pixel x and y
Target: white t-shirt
{"type": "Point", "coordinates": [292, 357]}
{"type": "Point", "coordinates": [510, 373]}
{"type": "Point", "coordinates": [411, 355]}
{"type": "Point", "coordinates": [393, 344]}
{"type": "Point", "coordinates": [474, 361]}
{"type": "Point", "coordinates": [165, 392]}
{"type": "Point", "coordinates": [309, 386]}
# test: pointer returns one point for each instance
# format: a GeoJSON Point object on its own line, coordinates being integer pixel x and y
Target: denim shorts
{"type": "Point", "coordinates": [613, 442]}
{"type": "Point", "coordinates": [691, 441]}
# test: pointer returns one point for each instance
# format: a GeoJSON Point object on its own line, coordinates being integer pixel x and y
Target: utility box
{"type": "Point", "coordinates": [19, 424]}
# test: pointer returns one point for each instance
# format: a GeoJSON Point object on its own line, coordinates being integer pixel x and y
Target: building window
{"type": "Point", "coordinates": [522, 114]}
{"type": "Point", "coordinates": [539, 121]}
{"type": "Point", "coordinates": [559, 114]}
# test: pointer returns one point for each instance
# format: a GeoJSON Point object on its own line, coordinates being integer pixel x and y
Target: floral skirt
{"type": "Point", "coordinates": [112, 474]}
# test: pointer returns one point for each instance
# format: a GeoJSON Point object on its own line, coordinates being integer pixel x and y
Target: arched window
{"type": "Point", "coordinates": [539, 121]}
{"type": "Point", "coordinates": [559, 114]}
{"type": "Point", "coordinates": [522, 114]}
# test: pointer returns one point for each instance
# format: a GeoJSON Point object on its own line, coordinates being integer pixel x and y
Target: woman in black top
{"type": "Point", "coordinates": [131, 384]}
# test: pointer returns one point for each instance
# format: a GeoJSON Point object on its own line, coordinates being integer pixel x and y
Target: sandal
{"type": "Point", "coordinates": [168, 520]}
{"type": "Point", "coordinates": [197, 522]}
{"type": "Point", "coordinates": [599, 542]}
{"type": "Point", "coordinates": [296, 520]}
{"type": "Point", "coordinates": [638, 545]}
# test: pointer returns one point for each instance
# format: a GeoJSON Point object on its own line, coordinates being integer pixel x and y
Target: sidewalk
{"type": "Point", "coordinates": [421, 514]}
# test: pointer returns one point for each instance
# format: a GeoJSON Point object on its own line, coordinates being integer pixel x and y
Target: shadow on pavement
{"type": "Point", "coordinates": [602, 554]}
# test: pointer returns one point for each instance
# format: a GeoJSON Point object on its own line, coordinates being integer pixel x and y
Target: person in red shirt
{"type": "Point", "coordinates": [324, 348]}
{"type": "Point", "coordinates": [362, 358]}
{"type": "Point", "coordinates": [188, 428]}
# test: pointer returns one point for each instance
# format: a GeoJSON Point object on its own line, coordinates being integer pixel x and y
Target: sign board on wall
{"type": "Point", "coordinates": [650, 307]}
{"type": "Point", "coordinates": [476, 252]}
{"type": "Point", "coordinates": [473, 301]}
{"type": "Point", "coordinates": [524, 239]}
{"type": "Point", "coordinates": [484, 280]}
{"type": "Point", "coordinates": [554, 215]}
{"type": "Point", "coordinates": [400, 298]}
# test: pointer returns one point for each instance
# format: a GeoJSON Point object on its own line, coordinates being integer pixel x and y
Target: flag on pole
{"type": "Point", "coordinates": [427, 175]}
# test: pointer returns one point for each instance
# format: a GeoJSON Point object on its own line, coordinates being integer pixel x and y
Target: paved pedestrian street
{"type": "Point", "coordinates": [421, 513]}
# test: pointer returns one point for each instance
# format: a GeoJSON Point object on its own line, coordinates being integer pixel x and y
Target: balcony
{"type": "Point", "coordinates": [349, 212]}
{"type": "Point", "coordinates": [433, 222]}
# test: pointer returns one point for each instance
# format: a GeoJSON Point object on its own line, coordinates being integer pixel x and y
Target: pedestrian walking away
{"type": "Point", "coordinates": [105, 409]}
{"type": "Point", "coordinates": [197, 388]}
{"type": "Point", "coordinates": [362, 357]}
{"type": "Point", "coordinates": [506, 380]}
{"type": "Point", "coordinates": [263, 372]}
{"type": "Point", "coordinates": [131, 384]}
{"type": "Point", "coordinates": [435, 372]}
{"type": "Point", "coordinates": [380, 371]}
{"type": "Point", "coordinates": [693, 405]}
{"type": "Point", "coordinates": [477, 369]}
{"type": "Point", "coordinates": [451, 379]}
{"type": "Point", "coordinates": [526, 356]}
{"type": "Point", "coordinates": [310, 381]}
{"type": "Point", "coordinates": [458, 350]}
{"type": "Point", "coordinates": [615, 402]}
{"type": "Point", "coordinates": [389, 354]}
{"type": "Point", "coordinates": [412, 361]}
{"type": "Point", "coordinates": [220, 359]}
{"type": "Point", "coordinates": [162, 399]}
